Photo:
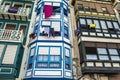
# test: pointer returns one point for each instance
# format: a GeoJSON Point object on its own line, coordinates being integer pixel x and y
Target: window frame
{"type": "Point", "coordinates": [49, 61]}
{"type": "Point", "coordinates": [31, 58]}
{"type": "Point", "coordinates": [67, 59]}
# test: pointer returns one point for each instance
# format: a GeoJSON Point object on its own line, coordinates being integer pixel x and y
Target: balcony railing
{"type": "Point", "coordinates": [7, 12]}
{"type": "Point", "coordinates": [11, 35]}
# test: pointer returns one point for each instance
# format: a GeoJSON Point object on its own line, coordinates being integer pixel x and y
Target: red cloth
{"type": "Point", "coordinates": [48, 11]}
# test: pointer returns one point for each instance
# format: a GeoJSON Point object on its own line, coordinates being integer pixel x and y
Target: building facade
{"type": "Point", "coordinates": [15, 19]}
{"type": "Point", "coordinates": [98, 37]}
{"type": "Point", "coordinates": [49, 55]}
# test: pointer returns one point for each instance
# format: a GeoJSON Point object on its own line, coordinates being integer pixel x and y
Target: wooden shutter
{"type": "Point", "coordinates": [10, 54]}
{"type": "Point", "coordinates": [98, 7]}
{"type": "Point", "coordinates": [92, 5]}
{"type": "Point", "coordinates": [1, 49]}
{"type": "Point", "coordinates": [110, 9]}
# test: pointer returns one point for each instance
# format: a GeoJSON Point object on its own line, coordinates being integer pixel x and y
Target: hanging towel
{"type": "Point", "coordinates": [48, 11]}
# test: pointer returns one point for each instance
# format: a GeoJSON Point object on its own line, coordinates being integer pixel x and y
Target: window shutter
{"type": "Point", "coordinates": [10, 54]}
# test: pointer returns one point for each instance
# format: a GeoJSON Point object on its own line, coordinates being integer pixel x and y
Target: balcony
{"type": "Point", "coordinates": [116, 4]}
{"type": "Point", "coordinates": [11, 35]}
{"type": "Point", "coordinates": [96, 14]}
{"type": "Point", "coordinates": [13, 13]}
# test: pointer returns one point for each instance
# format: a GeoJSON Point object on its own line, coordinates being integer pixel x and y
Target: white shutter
{"type": "Point", "coordinates": [10, 54]}
{"type": "Point", "coordinates": [43, 50]}
{"type": "Point", "coordinates": [54, 51]}
{"type": "Point", "coordinates": [67, 52]}
{"type": "Point", "coordinates": [56, 26]}
{"type": "Point", "coordinates": [1, 49]}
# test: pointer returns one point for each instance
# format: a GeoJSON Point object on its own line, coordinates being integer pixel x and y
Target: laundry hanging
{"type": "Point", "coordinates": [48, 11]}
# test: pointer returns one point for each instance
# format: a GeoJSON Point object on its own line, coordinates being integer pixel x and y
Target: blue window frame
{"type": "Point", "coordinates": [31, 56]}
{"type": "Point", "coordinates": [48, 57]}
{"type": "Point", "coordinates": [67, 59]}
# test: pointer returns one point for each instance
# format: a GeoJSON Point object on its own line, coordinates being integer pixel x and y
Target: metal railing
{"type": "Point", "coordinates": [11, 35]}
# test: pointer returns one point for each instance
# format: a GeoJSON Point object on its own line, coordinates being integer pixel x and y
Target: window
{"type": "Point", "coordinates": [116, 25]}
{"type": "Point", "coordinates": [96, 22]}
{"type": "Point", "coordinates": [56, 9]}
{"type": "Point", "coordinates": [67, 59]}
{"type": "Point", "coordinates": [65, 10]}
{"type": "Point", "coordinates": [114, 54]}
{"type": "Point", "coordinates": [83, 24]}
{"type": "Point", "coordinates": [56, 26]}
{"type": "Point", "coordinates": [23, 28]}
{"type": "Point", "coordinates": [102, 54]}
{"type": "Point", "coordinates": [31, 58]}
{"type": "Point", "coordinates": [66, 32]}
{"type": "Point", "coordinates": [103, 24]}
{"type": "Point", "coordinates": [89, 21]}
{"type": "Point", "coordinates": [10, 26]}
{"type": "Point", "coordinates": [10, 54]}
{"type": "Point", "coordinates": [110, 27]}
{"type": "Point", "coordinates": [104, 9]}
{"type": "Point", "coordinates": [109, 24]}
{"type": "Point", "coordinates": [91, 53]}
{"type": "Point", "coordinates": [80, 7]}
{"type": "Point", "coordinates": [48, 57]}
{"type": "Point", "coordinates": [93, 10]}
{"type": "Point", "coordinates": [87, 8]}
{"type": "Point", "coordinates": [6, 6]}
{"type": "Point", "coordinates": [19, 5]}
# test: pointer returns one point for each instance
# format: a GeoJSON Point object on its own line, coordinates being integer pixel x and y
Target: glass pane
{"type": "Point", "coordinates": [45, 58]}
{"type": "Point", "coordinates": [109, 24]}
{"type": "Point", "coordinates": [89, 21]}
{"type": "Point", "coordinates": [40, 58]}
{"type": "Point", "coordinates": [57, 58]}
{"type": "Point", "coordinates": [97, 23]}
{"type": "Point", "coordinates": [91, 57]}
{"type": "Point", "coordinates": [116, 25]}
{"type": "Point", "coordinates": [115, 58]}
{"type": "Point", "coordinates": [51, 58]}
{"type": "Point", "coordinates": [54, 64]}
{"type": "Point", "coordinates": [103, 25]}
{"type": "Point", "coordinates": [67, 59]}
{"type": "Point", "coordinates": [113, 51]}
{"type": "Point", "coordinates": [101, 51]}
{"type": "Point", "coordinates": [102, 57]}
{"type": "Point", "coordinates": [42, 64]}
{"type": "Point", "coordinates": [82, 21]}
